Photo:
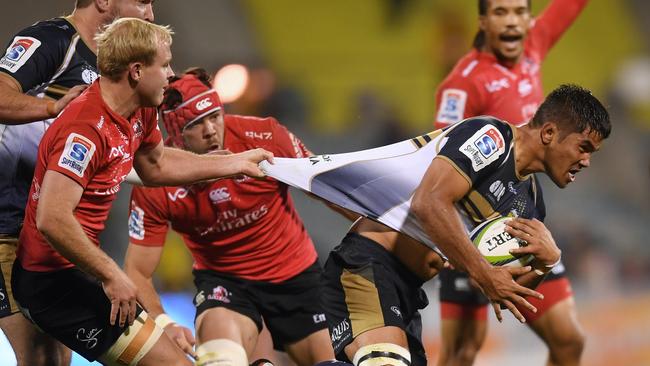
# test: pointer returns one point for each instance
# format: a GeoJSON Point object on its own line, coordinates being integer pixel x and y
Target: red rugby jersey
{"type": "Point", "coordinates": [479, 85]}
{"type": "Point", "coordinates": [244, 227]}
{"type": "Point", "coordinates": [94, 146]}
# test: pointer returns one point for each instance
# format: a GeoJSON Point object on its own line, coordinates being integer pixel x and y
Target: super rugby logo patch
{"type": "Point", "coordinates": [452, 106]}
{"type": "Point", "coordinates": [21, 49]}
{"type": "Point", "coordinates": [76, 154]}
{"type": "Point", "coordinates": [484, 147]}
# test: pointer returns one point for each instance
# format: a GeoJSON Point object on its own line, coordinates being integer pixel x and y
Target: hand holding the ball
{"type": "Point", "coordinates": [539, 239]}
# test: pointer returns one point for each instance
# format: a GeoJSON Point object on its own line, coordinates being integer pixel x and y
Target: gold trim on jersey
{"type": "Point", "coordinates": [57, 90]}
{"type": "Point", "coordinates": [422, 140]}
{"type": "Point", "coordinates": [362, 300]}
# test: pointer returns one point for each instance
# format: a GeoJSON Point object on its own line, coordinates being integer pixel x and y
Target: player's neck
{"type": "Point", "coordinates": [119, 97]}
{"type": "Point", "coordinates": [528, 155]}
{"type": "Point", "coordinates": [87, 22]}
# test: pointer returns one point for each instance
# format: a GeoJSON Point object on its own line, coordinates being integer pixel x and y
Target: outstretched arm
{"type": "Point", "coordinates": [551, 24]}
{"type": "Point", "coordinates": [165, 166]}
{"type": "Point", "coordinates": [434, 205]}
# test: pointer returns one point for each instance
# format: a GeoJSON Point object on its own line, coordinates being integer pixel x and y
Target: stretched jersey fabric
{"type": "Point", "coordinates": [94, 146]}
{"type": "Point", "coordinates": [45, 59]}
{"type": "Point", "coordinates": [245, 227]}
{"type": "Point", "coordinates": [479, 85]}
{"type": "Point", "coordinates": [379, 183]}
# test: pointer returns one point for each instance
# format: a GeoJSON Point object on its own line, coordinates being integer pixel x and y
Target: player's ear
{"type": "Point", "coordinates": [548, 132]}
{"type": "Point", "coordinates": [102, 5]}
{"type": "Point", "coordinates": [135, 71]}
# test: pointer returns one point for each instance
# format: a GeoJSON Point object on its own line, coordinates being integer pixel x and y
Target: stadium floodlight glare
{"type": "Point", "coordinates": [231, 82]}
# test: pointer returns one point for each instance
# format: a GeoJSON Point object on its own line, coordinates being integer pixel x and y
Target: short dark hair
{"type": "Point", "coordinates": [82, 3]}
{"type": "Point", "coordinates": [479, 38]}
{"type": "Point", "coordinates": [173, 98]}
{"type": "Point", "coordinates": [574, 108]}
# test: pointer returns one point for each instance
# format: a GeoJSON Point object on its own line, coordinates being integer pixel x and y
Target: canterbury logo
{"type": "Point", "coordinates": [203, 104]}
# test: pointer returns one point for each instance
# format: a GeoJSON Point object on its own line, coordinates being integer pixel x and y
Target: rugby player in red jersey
{"type": "Point", "coordinates": [46, 65]}
{"type": "Point", "coordinates": [253, 258]}
{"type": "Point", "coordinates": [61, 279]}
{"type": "Point", "coordinates": [501, 77]}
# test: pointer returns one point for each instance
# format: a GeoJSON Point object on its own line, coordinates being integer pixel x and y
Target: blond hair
{"type": "Point", "coordinates": [128, 40]}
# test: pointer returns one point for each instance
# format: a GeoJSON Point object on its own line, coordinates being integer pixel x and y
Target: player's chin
{"type": "Point", "coordinates": [562, 180]}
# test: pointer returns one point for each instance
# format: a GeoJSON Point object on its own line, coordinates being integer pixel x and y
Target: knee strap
{"type": "Point", "coordinates": [382, 354]}
{"type": "Point", "coordinates": [221, 352]}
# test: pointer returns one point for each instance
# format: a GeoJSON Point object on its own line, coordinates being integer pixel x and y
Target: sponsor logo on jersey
{"type": "Point", "coordinates": [484, 147]}
{"type": "Point", "coordinates": [315, 159]}
{"type": "Point", "coordinates": [233, 219]}
{"type": "Point", "coordinates": [525, 87]}
{"type": "Point", "coordinates": [203, 104]}
{"type": "Point", "coordinates": [180, 193]}
{"type": "Point", "coordinates": [496, 85]}
{"type": "Point", "coordinates": [452, 106]}
{"type": "Point", "coordinates": [137, 128]}
{"type": "Point", "coordinates": [76, 154]}
{"type": "Point", "coordinates": [219, 195]}
{"type": "Point", "coordinates": [259, 135]}
{"type": "Point", "coordinates": [199, 298]}
{"type": "Point", "coordinates": [497, 189]}
{"type": "Point", "coordinates": [136, 223]}
{"type": "Point", "coordinates": [220, 293]}
{"type": "Point", "coordinates": [21, 49]}
{"type": "Point", "coordinates": [89, 75]}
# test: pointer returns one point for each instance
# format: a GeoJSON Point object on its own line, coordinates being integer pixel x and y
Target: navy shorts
{"type": "Point", "coordinates": [69, 305]}
{"type": "Point", "coordinates": [367, 288]}
{"type": "Point", "coordinates": [290, 309]}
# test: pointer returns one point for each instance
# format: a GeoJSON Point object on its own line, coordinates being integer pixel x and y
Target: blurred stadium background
{"type": "Point", "coordinates": [349, 75]}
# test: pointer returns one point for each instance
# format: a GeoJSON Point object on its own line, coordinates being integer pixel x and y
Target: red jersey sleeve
{"type": "Point", "coordinates": [457, 98]}
{"type": "Point", "coordinates": [76, 150]}
{"type": "Point", "coordinates": [549, 26]}
{"type": "Point", "coordinates": [288, 144]}
{"type": "Point", "coordinates": [152, 135]}
{"type": "Point", "coordinates": [148, 222]}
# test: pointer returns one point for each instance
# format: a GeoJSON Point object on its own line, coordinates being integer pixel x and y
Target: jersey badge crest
{"type": "Point", "coordinates": [21, 49]}
{"type": "Point", "coordinates": [76, 154]}
{"type": "Point", "coordinates": [452, 106]}
{"type": "Point", "coordinates": [484, 147]}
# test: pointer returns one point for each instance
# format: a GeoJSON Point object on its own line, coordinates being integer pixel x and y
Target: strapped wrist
{"type": "Point", "coordinates": [51, 108]}
{"type": "Point", "coordinates": [554, 264]}
{"type": "Point", "coordinates": [163, 320]}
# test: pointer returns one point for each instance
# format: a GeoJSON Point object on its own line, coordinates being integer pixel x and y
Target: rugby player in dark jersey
{"type": "Point", "coordinates": [45, 66]}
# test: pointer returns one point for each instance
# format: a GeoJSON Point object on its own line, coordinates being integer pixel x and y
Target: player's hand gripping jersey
{"type": "Point", "coordinates": [45, 59]}
{"type": "Point", "coordinates": [243, 227]}
{"type": "Point", "coordinates": [379, 183]}
{"type": "Point", "coordinates": [479, 85]}
{"type": "Point", "coordinates": [93, 146]}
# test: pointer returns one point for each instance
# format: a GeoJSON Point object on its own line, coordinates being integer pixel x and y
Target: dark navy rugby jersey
{"type": "Point", "coordinates": [46, 59]}
{"type": "Point", "coordinates": [482, 150]}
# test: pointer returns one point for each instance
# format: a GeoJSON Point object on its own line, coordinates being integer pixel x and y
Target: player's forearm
{"type": "Point", "coordinates": [17, 108]}
{"type": "Point", "coordinates": [441, 222]}
{"type": "Point", "coordinates": [65, 235]}
{"type": "Point", "coordinates": [178, 167]}
{"type": "Point", "coordinates": [149, 298]}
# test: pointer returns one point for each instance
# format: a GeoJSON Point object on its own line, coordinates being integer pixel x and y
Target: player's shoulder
{"type": "Point", "coordinates": [469, 68]}
{"type": "Point", "coordinates": [251, 128]}
{"type": "Point", "coordinates": [500, 130]}
{"type": "Point", "coordinates": [56, 29]}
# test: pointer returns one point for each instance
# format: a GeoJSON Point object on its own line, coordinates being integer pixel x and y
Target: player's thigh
{"type": "Point", "coordinates": [559, 326]}
{"type": "Point", "coordinates": [225, 309]}
{"type": "Point", "coordinates": [316, 347]}
{"type": "Point", "coordinates": [30, 345]}
{"type": "Point", "coordinates": [223, 323]}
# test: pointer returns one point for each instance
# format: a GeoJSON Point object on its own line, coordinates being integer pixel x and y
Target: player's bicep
{"type": "Point", "coordinates": [58, 195]}
{"type": "Point", "coordinates": [442, 182]}
{"type": "Point", "coordinates": [148, 162]}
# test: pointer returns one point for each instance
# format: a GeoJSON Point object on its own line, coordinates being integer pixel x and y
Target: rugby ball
{"type": "Point", "coordinates": [494, 243]}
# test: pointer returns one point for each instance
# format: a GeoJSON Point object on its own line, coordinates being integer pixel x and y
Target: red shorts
{"type": "Point", "coordinates": [554, 291]}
